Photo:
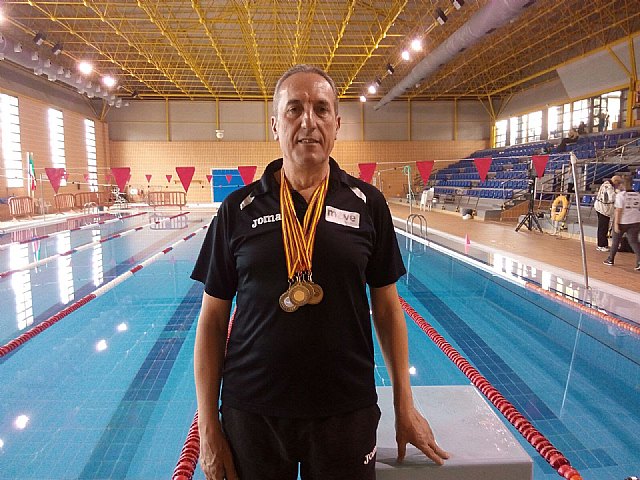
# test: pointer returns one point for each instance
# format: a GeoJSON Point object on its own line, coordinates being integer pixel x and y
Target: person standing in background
{"type": "Point", "coordinates": [604, 207]}
{"type": "Point", "coordinates": [626, 219]}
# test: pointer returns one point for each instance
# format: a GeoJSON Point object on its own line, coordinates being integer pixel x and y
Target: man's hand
{"type": "Point", "coordinates": [413, 428]}
{"type": "Point", "coordinates": [216, 460]}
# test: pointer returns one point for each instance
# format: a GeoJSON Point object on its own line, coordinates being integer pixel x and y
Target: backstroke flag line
{"type": "Point", "coordinates": [32, 173]}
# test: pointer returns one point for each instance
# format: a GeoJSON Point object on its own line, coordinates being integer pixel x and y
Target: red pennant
{"type": "Point", "coordinates": [54, 175]}
{"type": "Point", "coordinates": [540, 163]}
{"type": "Point", "coordinates": [483, 165]}
{"type": "Point", "coordinates": [366, 171]}
{"type": "Point", "coordinates": [425, 168]}
{"type": "Point", "coordinates": [169, 177]}
{"type": "Point", "coordinates": [121, 174]}
{"type": "Point", "coordinates": [86, 177]}
{"type": "Point", "coordinates": [247, 174]}
{"type": "Point", "coordinates": [107, 178]}
{"type": "Point", "coordinates": [148, 177]}
{"type": "Point", "coordinates": [209, 177]}
{"type": "Point", "coordinates": [185, 174]}
{"type": "Point", "coordinates": [65, 175]}
{"type": "Point", "coordinates": [228, 177]}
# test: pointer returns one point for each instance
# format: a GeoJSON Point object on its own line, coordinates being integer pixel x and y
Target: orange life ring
{"type": "Point", "coordinates": [559, 208]}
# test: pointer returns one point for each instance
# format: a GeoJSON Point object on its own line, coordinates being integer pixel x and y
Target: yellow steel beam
{"type": "Point", "coordinates": [249, 35]}
{"type": "Point", "coordinates": [393, 13]}
{"type": "Point", "coordinates": [175, 43]}
{"type": "Point", "coordinates": [345, 22]}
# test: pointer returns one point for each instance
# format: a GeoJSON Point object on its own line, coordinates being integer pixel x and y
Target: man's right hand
{"type": "Point", "coordinates": [216, 460]}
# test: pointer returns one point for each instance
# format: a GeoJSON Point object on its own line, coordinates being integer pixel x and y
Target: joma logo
{"type": "Point", "coordinates": [266, 219]}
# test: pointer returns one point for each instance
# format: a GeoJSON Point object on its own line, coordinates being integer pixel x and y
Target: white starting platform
{"type": "Point", "coordinates": [479, 444]}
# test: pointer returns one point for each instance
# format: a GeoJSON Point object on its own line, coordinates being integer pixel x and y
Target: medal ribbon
{"type": "Point", "coordinates": [300, 239]}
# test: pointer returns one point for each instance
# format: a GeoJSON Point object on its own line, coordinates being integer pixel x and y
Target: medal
{"type": "Point", "coordinates": [298, 242]}
{"type": "Point", "coordinates": [286, 304]}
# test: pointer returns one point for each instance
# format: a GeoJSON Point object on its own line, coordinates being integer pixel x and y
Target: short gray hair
{"type": "Point", "coordinates": [302, 68]}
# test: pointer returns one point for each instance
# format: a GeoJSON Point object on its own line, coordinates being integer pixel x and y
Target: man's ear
{"type": "Point", "coordinates": [337, 127]}
{"type": "Point", "coordinates": [274, 128]}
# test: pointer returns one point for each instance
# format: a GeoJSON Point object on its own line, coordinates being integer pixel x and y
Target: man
{"type": "Point", "coordinates": [626, 219]}
{"type": "Point", "coordinates": [604, 207]}
{"type": "Point", "coordinates": [297, 249]}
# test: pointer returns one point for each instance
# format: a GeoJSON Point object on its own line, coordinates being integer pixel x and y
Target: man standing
{"type": "Point", "coordinates": [297, 249]}
{"type": "Point", "coordinates": [604, 207]}
{"type": "Point", "coordinates": [626, 219]}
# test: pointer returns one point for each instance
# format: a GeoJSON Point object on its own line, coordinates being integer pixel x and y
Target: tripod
{"type": "Point", "coordinates": [530, 218]}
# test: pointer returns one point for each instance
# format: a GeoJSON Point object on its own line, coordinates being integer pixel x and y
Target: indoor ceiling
{"type": "Point", "coordinates": [237, 49]}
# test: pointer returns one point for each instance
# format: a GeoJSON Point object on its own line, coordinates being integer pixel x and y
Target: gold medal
{"type": "Point", "coordinates": [286, 304]}
{"type": "Point", "coordinates": [317, 295]}
{"type": "Point", "coordinates": [299, 294]}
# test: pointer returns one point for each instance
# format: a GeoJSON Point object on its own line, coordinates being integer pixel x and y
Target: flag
{"type": "Point", "coordinates": [32, 173]}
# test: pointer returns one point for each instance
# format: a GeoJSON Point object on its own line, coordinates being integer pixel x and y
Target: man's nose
{"type": "Point", "coordinates": [308, 118]}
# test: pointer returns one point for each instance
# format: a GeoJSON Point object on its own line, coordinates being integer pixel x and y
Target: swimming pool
{"type": "Point", "coordinates": [107, 391]}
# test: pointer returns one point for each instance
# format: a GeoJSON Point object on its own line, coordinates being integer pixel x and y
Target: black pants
{"type": "Point", "coordinates": [632, 230]}
{"type": "Point", "coordinates": [603, 230]}
{"type": "Point", "coordinates": [328, 448]}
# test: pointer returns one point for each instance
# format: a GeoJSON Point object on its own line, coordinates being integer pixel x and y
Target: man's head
{"type": "Point", "coordinates": [616, 180]}
{"type": "Point", "coordinates": [305, 120]}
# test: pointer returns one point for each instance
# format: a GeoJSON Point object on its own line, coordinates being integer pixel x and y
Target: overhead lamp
{"type": "Point", "coordinates": [416, 45]}
{"type": "Point", "coordinates": [406, 56]}
{"type": "Point", "coordinates": [35, 57]}
{"type": "Point", "coordinates": [108, 81]}
{"type": "Point", "coordinates": [85, 68]}
{"type": "Point", "coordinates": [39, 38]}
{"type": "Point", "coordinates": [56, 49]}
{"type": "Point", "coordinates": [458, 4]}
{"type": "Point", "coordinates": [47, 63]}
{"type": "Point", "coordinates": [390, 69]}
{"type": "Point", "coordinates": [440, 16]}
{"type": "Point", "coordinates": [373, 88]}
{"type": "Point", "coordinates": [17, 48]}
{"type": "Point", "coordinates": [363, 99]}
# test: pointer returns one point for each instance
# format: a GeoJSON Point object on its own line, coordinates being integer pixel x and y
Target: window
{"type": "Point", "coordinates": [92, 162]}
{"type": "Point", "coordinates": [11, 149]}
{"type": "Point", "coordinates": [533, 129]}
{"type": "Point", "coordinates": [501, 133]}
{"type": "Point", "coordinates": [56, 141]}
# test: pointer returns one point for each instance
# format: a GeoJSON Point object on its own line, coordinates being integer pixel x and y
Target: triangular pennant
{"type": "Point", "coordinates": [483, 165]}
{"type": "Point", "coordinates": [540, 163]}
{"type": "Point", "coordinates": [247, 174]}
{"type": "Point", "coordinates": [107, 178]}
{"type": "Point", "coordinates": [86, 177]}
{"type": "Point", "coordinates": [209, 177]}
{"type": "Point", "coordinates": [366, 171]}
{"type": "Point", "coordinates": [169, 177]}
{"type": "Point", "coordinates": [54, 175]}
{"type": "Point", "coordinates": [65, 175]}
{"type": "Point", "coordinates": [148, 177]}
{"type": "Point", "coordinates": [185, 174]}
{"type": "Point", "coordinates": [228, 177]}
{"type": "Point", "coordinates": [121, 174]}
{"type": "Point", "coordinates": [425, 167]}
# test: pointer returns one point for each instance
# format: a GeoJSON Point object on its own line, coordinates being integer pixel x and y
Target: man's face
{"type": "Point", "coordinates": [306, 124]}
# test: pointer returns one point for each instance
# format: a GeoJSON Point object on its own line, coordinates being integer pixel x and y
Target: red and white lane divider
{"type": "Point", "coordinates": [544, 447]}
{"type": "Point", "coordinates": [83, 227]}
{"type": "Point", "coordinates": [85, 246]}
{"type": "Point", "coordinates": [28, 335]}
{"type": "Point", "coordinates": [188, 460]}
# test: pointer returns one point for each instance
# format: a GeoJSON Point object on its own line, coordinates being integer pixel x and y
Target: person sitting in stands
{"type": "Point", "coordinates": [582, 129]}
{"type": "Point", "coordinates": [572, 137]}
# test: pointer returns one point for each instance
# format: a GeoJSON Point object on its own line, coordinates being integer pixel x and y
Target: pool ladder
{"type": "Point", "coordinates": [422, 230]}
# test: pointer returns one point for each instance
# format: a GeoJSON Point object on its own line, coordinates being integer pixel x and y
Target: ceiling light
{"type": "Point", "coordinates": [56, 49]}
{"type": "Point", "coordinates": [406, 56]}
{"type": "Point", "coordinates": [109, 81]}
{"type": "Point", "coordinates": [47, 63]}
{"type": "Point", "coordinates": [39, 38]}
{"type": "Point", "coordinates": [17, 48]}
{"type": "Point", "coordinates": [416, 45]}
{"type": "Point", "coordinates": [363, 99]}
{"type": "Point", "coordinates": [35, 57]}
{"type": "Point", "coordinates": [390, 69]}
{"type": "Point", "coordinates": [440, 16]}
{"type": "Point", "coordinates": [372, 89]}
{"type": "Point", "coordinates": [458, 4]}
{"type": "Point", "coordinates": [85, 67]}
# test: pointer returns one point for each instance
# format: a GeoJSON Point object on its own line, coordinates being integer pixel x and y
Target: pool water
{"type": "Point", "coordinates": [107, 391]}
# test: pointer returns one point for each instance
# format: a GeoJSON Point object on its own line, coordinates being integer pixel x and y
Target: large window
{"type": "Point", "coordinates": [10, 135]}
{"type": "Point", "coordinates": [92, 162]}
{"type": "Point", "coordinates": [501, 133]}
{"type": "Point", "coordinates": [56, 141]}
{"type": "Point", "coordinates": [525, 128]}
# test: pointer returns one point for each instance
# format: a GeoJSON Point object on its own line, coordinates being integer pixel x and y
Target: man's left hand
{"type": "Point", "coordinates": [413, 428]}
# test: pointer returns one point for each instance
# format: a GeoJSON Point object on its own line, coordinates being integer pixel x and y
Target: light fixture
{"type": "Point", "coordinates": [85, 68]}
{"type": "Point", "coordinates": [458, 4]}
{"type": "Point", "coordinates": [440, 16]}
{"type": "Point", "coordinates": [108, 81]}
{"type": "Point", "coordinates": [39, 38]}
{"type": "Point", "coordinates": [372, 89]}
{"type": "Point", "coordinates": [35, 57]}
{"type": "Point", "coordinates": [17, 48]}
{"type": "Point", "coordinates": [390, 69]}
{"type": "Point", "coordinates": [416, 45]}
{"type": "Point", "coordinates": [406, 56]}
{"type": "Point", "coordinates": [363, 99]}
{"type": "Point", "coordinates": [47, 63]}
{"type": "Point", "coordinates": [56, 49]}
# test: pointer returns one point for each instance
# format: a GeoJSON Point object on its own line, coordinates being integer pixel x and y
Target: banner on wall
{"type": "Point", "coordinates": [425, 167]}
{"type": "Point", "coordinates": [483, 164]}
{"type": "Point", "coordinates": [366, 171]}
{"type": "Point", "coordinates": [223, 182]}
{"type": "Point", "coordinates": [121, 175]}
{"type": "Point", "coordinates": [540, 163]}
{"type": "Point", "coordinates": [185, 174]}
{"type": "Point", "coordinates": [54, 175]}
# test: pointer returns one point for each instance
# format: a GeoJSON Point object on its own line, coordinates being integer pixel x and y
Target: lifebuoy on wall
{"type": "Point", "coordinates": [559, 208]}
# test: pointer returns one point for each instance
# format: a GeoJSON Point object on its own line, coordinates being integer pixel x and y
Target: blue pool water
{"type": "Point", "coordinates": [107, 392]}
